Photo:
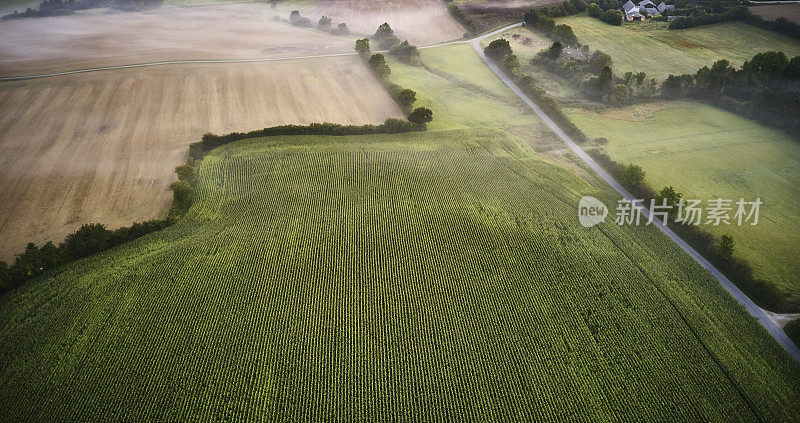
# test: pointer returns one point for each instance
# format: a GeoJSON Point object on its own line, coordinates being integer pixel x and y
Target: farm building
{"type": "Point", "coordinates": [644, 9]}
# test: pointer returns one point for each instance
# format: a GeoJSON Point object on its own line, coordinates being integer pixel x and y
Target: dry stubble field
{"type": "Point", "coordinates": [419, 21]}
{"type": "Point", "coordinates": [97, 38]}
{"type": "Point", "coordinates": [101, 147]}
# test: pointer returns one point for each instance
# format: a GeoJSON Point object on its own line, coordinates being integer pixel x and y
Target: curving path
{"type": "Point", "coordinates": [761, 315]}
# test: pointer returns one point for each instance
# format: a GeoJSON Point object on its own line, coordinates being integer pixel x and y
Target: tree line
{"type": "Point", "coordinates": [724, 12]}
{"type": "Point", "coordinates": [462, 18]}
{"type": "Point", "coordinates": [719, 250]}
{"type": "Point", "coordinates": [405, 52]}
{"type": "Point", "coordinates": [766, 88]}
{"type": "Point", "coordinates": [324, 24]}
{"type": "Point", "coordinates": [93, 238]}
{"type": "Point", "coordinates": [500, 52]}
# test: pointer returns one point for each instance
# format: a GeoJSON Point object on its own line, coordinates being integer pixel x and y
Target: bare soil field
{"type": "Point", "coordinates": [101, 147]}
{"type": "Point", "coordinates": [419, 21]}
{"type": "Point", "coordinates": [492, 14]}
{"type": "Point", "coordinates": [790, 12]}
{"type": "Point", "coordinates": [103, 38]}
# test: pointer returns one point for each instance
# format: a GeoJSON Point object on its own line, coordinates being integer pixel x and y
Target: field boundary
{"type": "Point", "coordinates": [775, 330]}
{"type": "Point", "coordinates": [214, 61]}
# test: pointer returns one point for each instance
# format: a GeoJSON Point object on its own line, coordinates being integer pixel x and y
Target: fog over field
{"type": "Point", "coordinates": [93, 39]}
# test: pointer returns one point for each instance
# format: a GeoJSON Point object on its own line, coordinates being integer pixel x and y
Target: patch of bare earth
{"type": "Point", "coordinates": [101, 147]}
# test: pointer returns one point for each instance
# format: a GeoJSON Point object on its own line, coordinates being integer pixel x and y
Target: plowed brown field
{"type": "Point", "coordinates": [101, 147]}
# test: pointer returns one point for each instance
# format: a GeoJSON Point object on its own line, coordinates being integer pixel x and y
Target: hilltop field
{"type": "Point", "coordinates": [439, 275]}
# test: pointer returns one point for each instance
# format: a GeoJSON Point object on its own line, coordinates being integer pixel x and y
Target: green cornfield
{"type": "Point", "coordinates": [426, 276]}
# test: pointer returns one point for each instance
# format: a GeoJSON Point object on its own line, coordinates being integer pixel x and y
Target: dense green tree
{"type": "Point", "coordinates": [406, 97]}
{"type": "Point", "coordinates": [90, 238]}
{"type": "Point", "coordinates": [498, 49]}
{"type": "Point", "coordinates": [554, 52]}
{"type": "Point", "coordinates": [670, 195]}
{"type": "Point", "coordinates": [185, 172]}
{"type": "Point", "coordinates": [613, 17]}
{"type": "Point", "coordinates": [341, 29]}
{"type": "Point", "coordinates": [633, 175]}
{"type": "Point", "coordinates": [384, 31]}
{"type": "Point", "coordinates": [599, 61]}
{"type": "Point", "coordinates": [406, 52]}
{"type": "Point", "coordinates": [421, 115]}
{"type": "Point", "coordinates": [362, 47]}
{"type": "Point", "coordinates": [594, 10]}
{"type": "Point", "coordinates": [377, 62]}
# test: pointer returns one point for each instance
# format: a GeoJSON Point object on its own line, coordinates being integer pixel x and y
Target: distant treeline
{"type": "Point", "coordinates": [717, 250]}
{"type": "Point", "coordinates": [462, 18]}
{"type": "Point", "coordinates": [390, 126]}
{"type": "Point", "coordinates": [93, 238]}
{"type": "Point", "coordinates": [766, 88]}
{"type": "Point", "coordinates": [701, 16]}
{"type": "Point", "coordinates": [68, 7]}
{"type": "Point", "coordinates": [88, 240]}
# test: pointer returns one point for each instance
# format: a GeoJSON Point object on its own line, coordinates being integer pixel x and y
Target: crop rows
{"type": "Point", "coordinates": [408, 277]}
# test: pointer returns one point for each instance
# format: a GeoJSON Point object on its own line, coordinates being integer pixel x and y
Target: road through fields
{"type": "Point", "coordinates": [756, 311]}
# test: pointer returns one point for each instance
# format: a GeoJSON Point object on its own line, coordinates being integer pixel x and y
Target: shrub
{"type": "Point", "coordinates": [182, 193]}
{"type": "Point", "coordinates": [462, 18]}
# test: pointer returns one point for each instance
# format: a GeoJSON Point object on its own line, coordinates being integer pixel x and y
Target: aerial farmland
{"type": "Point", "coordinates": [394, 210]}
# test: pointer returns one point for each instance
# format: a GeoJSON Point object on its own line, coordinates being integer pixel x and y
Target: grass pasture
{"type": "Point", "coordinates": [705, 153]}
{"type": "Point", "coordinates": [101, 147]}
{"type": "Point", "coordinates": [658, 51]}
{"type": "Point", "coordinates": [426, 276]}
